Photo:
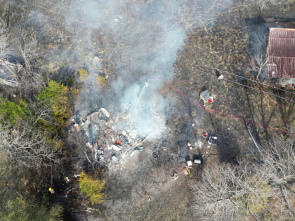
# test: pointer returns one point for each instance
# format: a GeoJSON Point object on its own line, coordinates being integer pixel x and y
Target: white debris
{"type": "Point", "coordinates": [101, 158]}
{"type": "Point", "coordinates": [118, 18]}
{"type": "Point", "coordinates": [100, 152]}
{"type": "Point", "coordinates": [115, 148]}
{"type": "Point", "coordinates": [124, 133]}
{"type": "Point", "coordinates": [104, 114]}
{"type": "Point", "coordinates": [199, 144]}
{"type": "Point", "coordinates": [96, 61]}
{"type": "Point", "coordinates": [114, 158]}
{"type": "Point", "coordinates": [67, 179]}
{"type": "Point", "coordinates": [220, 77]}
{"type": "Point", "coordinates": [189, 163]}
{"type": "Point", "coordinates": [132, 134]}
{"type": "Point", "coordinates": [197, 161]}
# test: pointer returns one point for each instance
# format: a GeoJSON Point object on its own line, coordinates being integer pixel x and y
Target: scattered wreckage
{"type": "Point", "coordinates": [105, 143]}
{"type": "Point", "coordinates": [195, 159]}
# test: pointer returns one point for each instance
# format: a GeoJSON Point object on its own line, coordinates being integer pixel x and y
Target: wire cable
{"type": "Point", "coordinates": [290, 92]}
{"type": "Point", "coordinates": [267, 85]}
{"type": "Point", "coordinates": [227, 114]}
{"type": "Point", "coordinates": [252, 88]}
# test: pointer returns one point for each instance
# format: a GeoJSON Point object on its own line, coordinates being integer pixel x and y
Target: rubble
{"type": "Point", "coordinates": [118, 142]}
{"type": "Point", "coordinates": [155, 154]}
{"type": "Point", "coordinates": [135, 150]}
{"type": "Point", "coordinates": [106, 143]}
{"type": "Point", "coordinates": [114, 158]}
{"type": "Point", "coordinates": [103, 114]}
{"type": "Point", "coordinates": [115, 148]}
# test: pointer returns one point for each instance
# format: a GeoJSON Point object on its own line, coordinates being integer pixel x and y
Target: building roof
{"type": "Point", "coordinates": [281, 53]}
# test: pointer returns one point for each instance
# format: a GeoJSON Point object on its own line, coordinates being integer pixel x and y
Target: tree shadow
{"type": "Point", "coordinates": [227, 145]}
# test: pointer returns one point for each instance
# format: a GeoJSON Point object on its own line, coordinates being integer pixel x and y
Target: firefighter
{"type": "Point", "coordinates": [51, 190]}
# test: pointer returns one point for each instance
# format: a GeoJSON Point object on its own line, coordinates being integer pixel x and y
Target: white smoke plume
{"type": "Point", "coordinates": [145, 39]}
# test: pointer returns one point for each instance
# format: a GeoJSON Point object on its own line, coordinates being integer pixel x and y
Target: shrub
{"type": "Point", "coordinates": [57, 95]}
{"type": "Point", "coordinates": [21, 210]}
{"type": "Point", "coordinates": [92, 188]}
{"type": "Point", "coordinates": [14, 111]}
{"type": "Point", "coordinates": [83, 74]}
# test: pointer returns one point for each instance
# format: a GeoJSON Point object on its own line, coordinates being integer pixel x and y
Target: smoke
{"type": "Point", "coordinates": [144, 40]}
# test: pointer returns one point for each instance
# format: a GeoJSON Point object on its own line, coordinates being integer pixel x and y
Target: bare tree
{"type": "Point", "coordinates": [27, 146]}
{"type": "Point", "coordinates": [262, 4]}
{"type": "Point", "coordinates": [213, 195]}
{"type": "Point", "coordinates": [251, 190]}
{"type": "Point", "coordinates": [279, 169]}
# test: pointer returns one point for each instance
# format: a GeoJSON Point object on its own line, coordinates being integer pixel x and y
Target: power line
{"type": "Point", "coordinates": [226, 72]}
{"type": "Point", "coordinates": [253, 88]}
{"type": "Point", "coordinates": [256, 81]}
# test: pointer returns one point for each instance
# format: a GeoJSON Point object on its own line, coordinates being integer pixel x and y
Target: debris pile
{"type": "Point", "coordinates": [105, 143]}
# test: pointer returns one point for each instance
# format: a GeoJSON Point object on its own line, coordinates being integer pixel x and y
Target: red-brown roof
{"type": "Point", "coordinates": [281, 53]}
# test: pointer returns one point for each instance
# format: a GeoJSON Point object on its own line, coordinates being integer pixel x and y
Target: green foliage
{"type": "Point", "coordinates": [48, 127]}
{"type": "Point", "coordinates": [17, 211]}
{"type": "Point", "coordinates": [55, 212]}
{"type": "Point", "coordinates": [21, 210]}
{"type": "Point", "coordinates": [14, 111]}
{"type": "Point", "coordinates": [57, 96]}
{"type": "Point", "coordinates": [92, 188]}
{"type": "Point", "coordinates": [83, 74]}
{"type": "Point", "coordinates": [56, 143]}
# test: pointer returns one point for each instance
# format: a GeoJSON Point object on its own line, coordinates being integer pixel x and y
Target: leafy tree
{"type": "Point", "coordinates": [21, 210]}
{"type": "Point", "coordinates": [57, 96]}
{"type": "Point", "coordinates": [14, 111]}
{"type": "Point", "coordinates": [92, 188]}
